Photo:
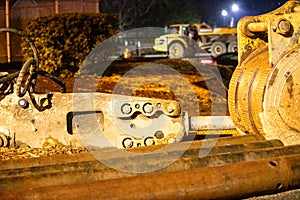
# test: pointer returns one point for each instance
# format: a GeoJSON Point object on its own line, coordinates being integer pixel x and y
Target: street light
{"type": "Point", "coordinates": [224, 14]}
{"type": "Point", "coordinates": [234, 9]}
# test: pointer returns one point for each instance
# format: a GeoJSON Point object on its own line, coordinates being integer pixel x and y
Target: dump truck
{"type": "Point", "coordinates": [214, 41]}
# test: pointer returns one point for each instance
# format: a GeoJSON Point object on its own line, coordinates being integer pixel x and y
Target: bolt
{"type": "Point", "coordinates": [126, 109]}
{"type": "Point", "coordinates": [149, 141]}
{"type": "Point", "coordinates": [23, 103]}
{"type": "Point", "coordinates": [159, 135]}
{"type": "Point", "coordinates": [284, 27]}
{"type": "Point", "coordinates": [127, 143]}
{"type": "Point", "coordinates": [148, 108]}
{"type": "Point", "coordinates": [171, 107]}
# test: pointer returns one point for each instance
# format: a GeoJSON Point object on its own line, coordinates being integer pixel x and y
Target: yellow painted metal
{"type": "Point", "coordinates": [264, 90]}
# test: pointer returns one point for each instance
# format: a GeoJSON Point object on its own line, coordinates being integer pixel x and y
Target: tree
{"type": "Point", "coordinates": [177, 11]}
{"type": "Point", "coordinates": [154, 13]}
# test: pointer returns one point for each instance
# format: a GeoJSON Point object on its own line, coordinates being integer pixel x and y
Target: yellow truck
{"type": "Point", "coordinates": [215, 41]}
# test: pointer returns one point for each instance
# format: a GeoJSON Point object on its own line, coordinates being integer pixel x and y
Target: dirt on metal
{"type": "Point", "coordinates": [50, 147]}
{"type": "Point", "coordinates": [113, 74]}
{"type": "Point", "coordinates": [259, 167]}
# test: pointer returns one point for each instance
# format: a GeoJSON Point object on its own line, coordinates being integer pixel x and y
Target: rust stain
{"type": "Point", "coordinates": [290, 85]}
{"type": "Point", "coordinates": [274, 75]}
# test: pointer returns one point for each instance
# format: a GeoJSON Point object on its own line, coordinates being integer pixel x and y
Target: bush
{"type": "Point", "coordinates": [64, 40]}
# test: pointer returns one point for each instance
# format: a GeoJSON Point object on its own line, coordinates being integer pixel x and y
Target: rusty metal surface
{"type": "Point", "coordinates": [220, 182]}
{"type": "Point", "coordinates": [41, 174]}
{"type": "Point", "coordinates": [281, 116]}
{"type": "Point", "coordinates": [226, 144]}
{"type": "Point", "coordinates": [95, 115]}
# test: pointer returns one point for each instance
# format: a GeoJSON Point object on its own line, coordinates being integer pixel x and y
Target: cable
{"type": "Point", "coordinates": [31, 67]}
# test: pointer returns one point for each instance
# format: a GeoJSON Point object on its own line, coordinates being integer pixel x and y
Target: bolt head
{"type": "Point", "coordinates": [149, 141]}
{"type": "Point", "coordinates": [159, 135]}
{"type": "Point", "coordinates": [127, 143]}
{"type": "Point", "coordinates": [284, 27]}
{"type": "Point", "coordinates": [148, 108]}
{"type": "Point", "coordinates": [23, 103]}
{"type": "Point", "coordinates": [126, 109]}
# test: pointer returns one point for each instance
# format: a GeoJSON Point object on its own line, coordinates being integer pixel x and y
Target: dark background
{"type": "Point", "coordinates": [160, 13]}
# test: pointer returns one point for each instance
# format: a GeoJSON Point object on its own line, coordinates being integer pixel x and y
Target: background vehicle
{"type": "Point", "coordinates": [215, 41]}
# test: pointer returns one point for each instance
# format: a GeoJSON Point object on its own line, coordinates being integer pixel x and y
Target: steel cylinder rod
{"type": "Point", "coordinates": [211, 123]}
{"type": "Point", "coordinates": [237, 180]}
{"type": "Point", "coordinates": [257, 27]}
{"type": "Point", "coordinates": [94, 170]}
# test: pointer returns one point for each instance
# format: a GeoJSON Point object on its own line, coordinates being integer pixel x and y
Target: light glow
{"type": "Point", "coordinates": [235, 7]}
{"type": "Point", "coordinates": [224, 13]}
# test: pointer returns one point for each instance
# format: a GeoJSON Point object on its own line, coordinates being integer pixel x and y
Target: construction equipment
{"type": "Point", "coordinates": [88, 119]}
{"type": "Point", "coordinates": [263, 98]}
{"type": "Point", "coordinates": [263, 101]}
{"type": "Point", "coordinates": [215, 41]}
{"type": "Point", "coordinates": [264, 90]}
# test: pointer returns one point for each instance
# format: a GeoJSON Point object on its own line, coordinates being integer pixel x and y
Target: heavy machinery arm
{"type": "Point", "coordinates": [87, 119]}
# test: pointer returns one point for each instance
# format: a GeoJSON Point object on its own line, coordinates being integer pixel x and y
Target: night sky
{"type": "Point", "coordinates": [249, 7]}
{"type": "Point", "coordinates": [246, 8]}
{"type": "Point", "coordinates": [209, 11]}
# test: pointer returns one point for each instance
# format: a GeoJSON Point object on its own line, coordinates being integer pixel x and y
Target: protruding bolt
{"type": "Point", "coordinates": [159, 135]}
{"type": "Point", "coordinates": [284, 27]}
{"type": "Point", "coordinates": [171, 108]}
{"type": "Point", "coordinates": [148, 108]}
{"type": "Point", "coordinates": [127, 143]}
{"type": "Point", "coordinates": [126, 109]}
{"type": "Point", "coordinates": [149, 141]}
{"type": "Point", "coordinates": [23, 103]}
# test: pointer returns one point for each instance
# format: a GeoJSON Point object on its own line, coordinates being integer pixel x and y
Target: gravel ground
{"type": "Point", "coordinates": [287, 195]}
